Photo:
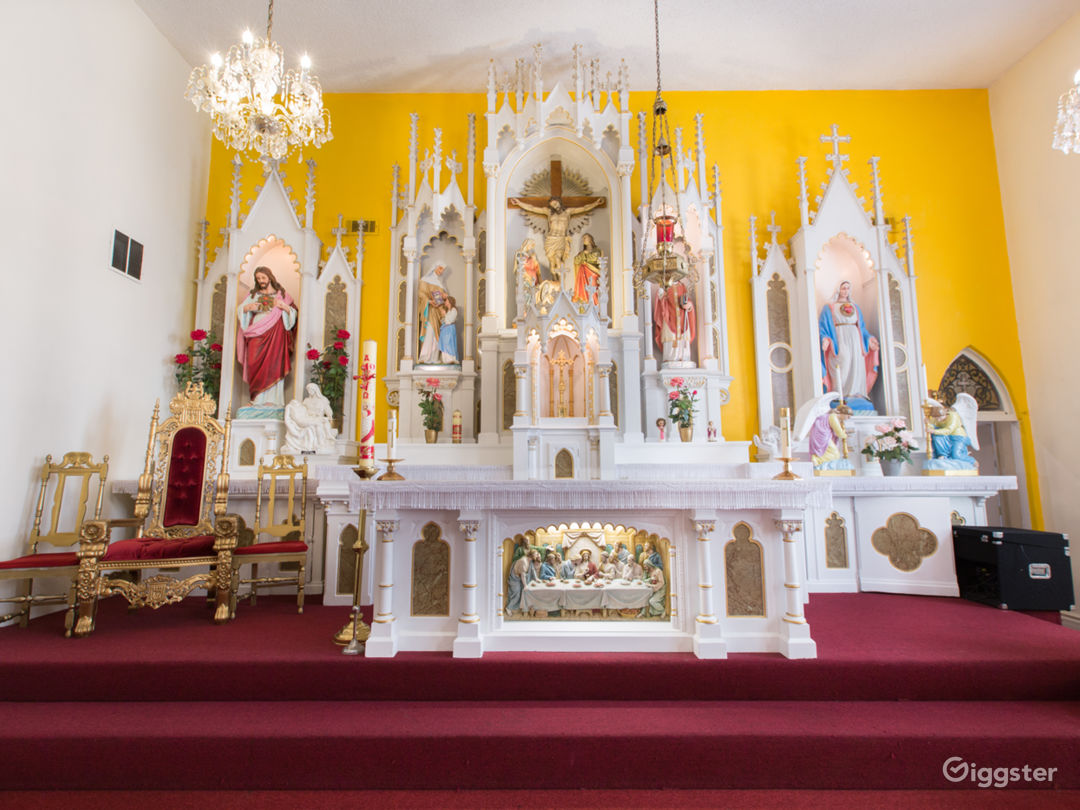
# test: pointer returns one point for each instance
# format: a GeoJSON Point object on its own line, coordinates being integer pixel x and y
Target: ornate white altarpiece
{"type": "Point", "coordinates": [275, 232]}
{"type": "Point", "coordinates": [839, 242]}
{"type": "Point", "coordinates": [557, 370]}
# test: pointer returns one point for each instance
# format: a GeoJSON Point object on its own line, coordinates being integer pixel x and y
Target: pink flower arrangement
{"type": "Point", "coordinates": [892, 441]}
{"type": "Point", "coordinates": [681, 402]}
{"type": "Point", "coordinates": [198, 334]}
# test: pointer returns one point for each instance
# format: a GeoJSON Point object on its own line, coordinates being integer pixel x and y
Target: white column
{"type": "Point", "coordinates": [604, 394]}
{"type": "Point", "coordinates": [383, 640]}
{"type": "Point", "coordinates": [468, 643]}
{"type": "Point", "coordinates": [795, 641]}
{"type": "Point", "coordinates": [708, 636]}
{"type": "Point", "coordinates": [521, 380]}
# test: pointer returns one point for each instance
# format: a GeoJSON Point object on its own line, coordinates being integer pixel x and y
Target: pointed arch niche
{"type": "Point", "coordinates": [1000, 449]}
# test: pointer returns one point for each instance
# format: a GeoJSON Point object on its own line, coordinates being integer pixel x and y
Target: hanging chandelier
{"type": "Point", "coordinates": [665, 267]}
{"type": "Point", "coordinates": [1067, 129]}
{"type": "Point", "coordinates": [255, 104]}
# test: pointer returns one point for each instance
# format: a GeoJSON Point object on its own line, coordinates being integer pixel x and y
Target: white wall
{"type": "Point", "coordinates": [96, 136]}
{"type": "Point", "coordinates": [1041, 197]}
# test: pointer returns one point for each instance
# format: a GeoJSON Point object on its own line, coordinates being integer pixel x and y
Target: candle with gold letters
{"type": "Point", "coordinates": [369, 355]}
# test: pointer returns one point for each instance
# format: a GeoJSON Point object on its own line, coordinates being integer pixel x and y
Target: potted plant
{"type": "Point", "coordinates": [891, 444]}
{"type": "Point", "coordinates": [330, 370]}
{"type": "Point", "coordinates": [201, 363]}
{"type": "Point", "coordinates": [431, 407]}
{"type": "Point", "coordinates": [681, 401]}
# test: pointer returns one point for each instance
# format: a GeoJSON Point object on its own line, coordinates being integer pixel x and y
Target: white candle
{"type": "Point", "coordinates": [367, 403]}
{"type": "Point", "coordinates": [785, 433]}
{"type": "Point", "coordinates": [391, 435]}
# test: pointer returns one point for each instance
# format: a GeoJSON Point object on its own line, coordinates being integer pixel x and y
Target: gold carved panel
{"type": "Point", "coordinates": [896, 311]}
{"type": "Point", "coordinates": [744, 573]}
{"type": "Point", "coordinates": [217, 308]}
{"type": "Point", "coordinates": [835, 542]}
{"type": "Point", "coordinates": [431, 573]}
{"type": "Point", "coordinates": [964, 375]}
{"type": "Point", "coordinates": [957, 519]}
{"type": "Point", "coordinates": [613, 392]}
{"type": "Point", "coordinates": [336, 306]}
{"type": "Point", "coordinates": [564, 464]}
{"type": "Point", "coordinates": [401, 302]}
{"type": "Point", "coordinates": [399, 352]}
{"type": "Point", "coordinates": [346, 560]}
{"type": "Point", "coordinates": [509, 395]}
{"type": "Point", "coordinates": [904, 541]}
{"type": "Point", "coordinates": [247, 453]}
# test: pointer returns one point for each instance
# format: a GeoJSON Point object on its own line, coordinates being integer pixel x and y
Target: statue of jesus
{"type": "Point", "coordinates": [556, 240]}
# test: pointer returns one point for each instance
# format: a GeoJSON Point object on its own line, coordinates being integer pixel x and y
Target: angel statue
{"type": "Point", "coordinates": [822, 420]}
{"type": "Point", "coordinates": [768, 442]}
{"type": "Point", "coordinates": [952, 432]}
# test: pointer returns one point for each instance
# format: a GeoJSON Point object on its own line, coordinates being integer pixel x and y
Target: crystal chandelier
{"type": "Point", "coordinates": [666, 266]}
{"type": "Point", "coordinates": [1067, 130]}
{"type": "Point", "coordinates": [255, 103]}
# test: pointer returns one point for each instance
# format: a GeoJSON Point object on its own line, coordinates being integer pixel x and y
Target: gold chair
{"type": "Point", "coordinates": [289, 544]}
{"type": "Point", "coordinates": [180, 518]}
{"type": "Point", "coordinates": [76, 472]}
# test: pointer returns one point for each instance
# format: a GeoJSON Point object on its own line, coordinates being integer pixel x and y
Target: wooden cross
{"type": "Point", "coordinates": [556, 193]}
{"type": "Point", "coordinates": [836, 139]}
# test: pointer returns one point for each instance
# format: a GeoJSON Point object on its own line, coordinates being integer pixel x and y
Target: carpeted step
{"type": "Point", "coordinates": [522, 744]}
{"type": "Point", "coordinates": [870, 647]}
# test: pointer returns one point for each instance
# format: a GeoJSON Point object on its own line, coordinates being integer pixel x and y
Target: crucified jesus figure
{"type": "Point", "coordinates": [556, 239]}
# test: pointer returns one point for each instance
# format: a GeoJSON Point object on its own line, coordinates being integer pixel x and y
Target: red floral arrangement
{"type": "Point", "coordinates": [431, 405]}
{"type": "Point", "coordinates": [330, 370]}
{"type": "Point", "coordinates": [201, 363]}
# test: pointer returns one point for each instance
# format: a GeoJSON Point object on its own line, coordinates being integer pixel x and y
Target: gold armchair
{"type": "Point", "coordinates": [180, 518]}
{"type": "Point", "coordinates": [78, 477]}
{"type": "Point", "coordinates": [288, 543]}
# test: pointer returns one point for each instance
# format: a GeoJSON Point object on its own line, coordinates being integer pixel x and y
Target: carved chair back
{"type": "Point", "coordinates": [75, 476]}
{"type": "Point", "coordinates": [293, 520]}
{"type": "Point", "coordinates": [185, 481]}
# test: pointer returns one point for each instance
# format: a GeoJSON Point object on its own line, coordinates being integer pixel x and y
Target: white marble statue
{"type": "Point", "coordinates": [308, 424]}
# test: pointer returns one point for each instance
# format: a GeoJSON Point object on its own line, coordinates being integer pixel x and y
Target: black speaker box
{"type": "Point", "coordinates": [1018, 569]}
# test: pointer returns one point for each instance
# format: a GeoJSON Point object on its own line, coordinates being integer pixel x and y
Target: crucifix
{"type": "Point", "coordinates": [836, 139]}
{"type": "Point", "coordinates": [558, 210]}
{"type": "Point", "coordinates": [772, 227]}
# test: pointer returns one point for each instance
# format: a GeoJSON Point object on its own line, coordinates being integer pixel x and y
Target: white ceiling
{"type": "Point", "coordinates": [445, 45]}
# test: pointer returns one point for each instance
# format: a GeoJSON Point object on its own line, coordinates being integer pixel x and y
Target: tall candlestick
{"type": "Point", "coordinates": [367, 404]}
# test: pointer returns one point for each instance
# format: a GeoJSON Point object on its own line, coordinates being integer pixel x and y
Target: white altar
{"type": "Point", "coordinates": [734, 562]}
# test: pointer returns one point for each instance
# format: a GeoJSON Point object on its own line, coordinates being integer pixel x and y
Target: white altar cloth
{"type": "Point", "coordinates": [617, 595]}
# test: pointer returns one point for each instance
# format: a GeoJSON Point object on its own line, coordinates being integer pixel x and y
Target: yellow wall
{"type": "Point", "coordinates": [937, 164]}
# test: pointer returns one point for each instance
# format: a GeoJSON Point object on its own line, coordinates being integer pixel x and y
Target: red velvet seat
{"type": "Point", "coordinates": [154, 548]}
{"type": "Point", "coordinates": [282, 547]}
{"type": "Point", "coordinates": [45, 560]}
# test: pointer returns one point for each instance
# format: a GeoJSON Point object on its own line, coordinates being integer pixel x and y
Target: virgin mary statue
{"type": "Point", "coordinates": [849, 353]}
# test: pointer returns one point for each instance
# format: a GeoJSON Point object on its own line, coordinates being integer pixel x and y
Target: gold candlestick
{"type": "Point", "coordinates": [391, 474]}
{"type": "Point", "coordinates": [786, 474]}
{"type": "Point", "coordinates": [356, 631]}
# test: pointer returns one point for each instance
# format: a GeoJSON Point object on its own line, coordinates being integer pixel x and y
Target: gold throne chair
{"type": "Point", "coordinates": [180, 520]}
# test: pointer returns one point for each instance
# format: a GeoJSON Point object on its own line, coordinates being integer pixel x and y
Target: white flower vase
{"type": "Point", "coordinates": [892, 467]}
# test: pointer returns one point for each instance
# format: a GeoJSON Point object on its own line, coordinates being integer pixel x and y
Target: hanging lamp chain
{"type": "Point", "coordinates": [270, 22]}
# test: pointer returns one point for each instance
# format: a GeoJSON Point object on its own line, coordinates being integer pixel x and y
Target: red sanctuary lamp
{"type": "Point", "coordinates": [664, 266]}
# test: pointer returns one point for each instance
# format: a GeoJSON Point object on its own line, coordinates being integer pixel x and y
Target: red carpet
{"type": "Point", "coordinates": [901, 685]}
